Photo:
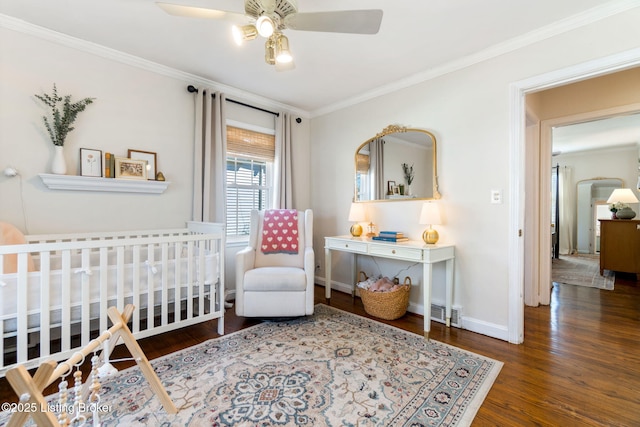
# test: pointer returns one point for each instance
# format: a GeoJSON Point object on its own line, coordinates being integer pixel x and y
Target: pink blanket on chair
{"type": "Point", "coordinates": [280, 231]}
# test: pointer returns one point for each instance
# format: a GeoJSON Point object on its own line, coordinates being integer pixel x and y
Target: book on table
{"type": "Point", "coordinates": [390, 239]}
{"type": "Point", "coordinates": [391, 234]}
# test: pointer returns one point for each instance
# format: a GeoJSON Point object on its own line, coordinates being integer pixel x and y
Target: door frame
{"type": "Point", "coordinates": [537, 170]}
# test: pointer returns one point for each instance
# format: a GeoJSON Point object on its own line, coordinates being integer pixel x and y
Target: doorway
{"type": "Point", "coordinates": [526, 168]}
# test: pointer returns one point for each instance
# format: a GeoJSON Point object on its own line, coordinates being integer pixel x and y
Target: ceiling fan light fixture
{"type": "Point", "coordinates": [283, 54]}
{"type": "Point", "coordinates": [270, 51]}
{"type": "Point", "coordinates": [265, 26]}
{"type": "Point", "coordinates": [246, 32]}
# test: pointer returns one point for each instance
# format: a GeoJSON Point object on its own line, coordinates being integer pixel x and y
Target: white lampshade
{"type": "Point", "coordinates": [357, 213]}
{"type": "Point", "coordinates": [622, 195]}
{"type": "Point", "coordinates": [430, 214]}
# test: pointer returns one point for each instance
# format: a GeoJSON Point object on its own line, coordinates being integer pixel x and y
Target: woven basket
{"type": "Point", "coordinates": [387, 305]}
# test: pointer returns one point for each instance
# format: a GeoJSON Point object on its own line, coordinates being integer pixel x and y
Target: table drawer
{"type": "Point", "coordinates": [399, 252]}
{"type": "Point", "coordinates": [348, 246]}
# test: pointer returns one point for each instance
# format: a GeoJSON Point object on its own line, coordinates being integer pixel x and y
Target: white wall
{"type": "Point", "coordinates": [135, 107]}
{"type": "Point", "coordinates": [468, 111]}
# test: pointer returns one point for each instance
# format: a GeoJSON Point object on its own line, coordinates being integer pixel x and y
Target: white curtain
{"type": "Point", "coordinates": [283, 167]}
{"type": "Point", "coordinates": [209, 159]}
{"type": "Point", "coordinates": [567, 198]}
{"type": "Point", "coordinates": [376, 149]}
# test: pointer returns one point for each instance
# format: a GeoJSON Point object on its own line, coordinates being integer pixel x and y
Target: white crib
{"type": "Point", "coordinates": [174, 278]}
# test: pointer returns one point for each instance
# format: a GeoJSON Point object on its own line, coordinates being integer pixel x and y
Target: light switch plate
{"type": "Point", "coordinates": [496, 196]}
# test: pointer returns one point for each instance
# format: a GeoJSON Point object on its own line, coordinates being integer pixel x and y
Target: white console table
{"type": "Point", "coordinates": [411, 251]}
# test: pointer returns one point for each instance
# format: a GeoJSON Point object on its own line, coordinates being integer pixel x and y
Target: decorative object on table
{"type": "Point", "coordinates": [618, 203]}
{"type": "Point", "coordinates": [408, 178]}
{"type": "Point", "coordinates": [357, 214]}
{"type": "Point", "coordinates": [90, 162]}
{"type": "Point", "coordinates": [130, 168]}
{"type": "Point", "coordinates": [430, 215]}
{"type": "Point", "coordinates": [160, 176]}
{"type": "Point", "coordinates": [391, 185]}
{"type": "Point", "coordinates": [391, 236]}
{"type": "Point", "coordinates": [383, 298]}
{"type": "Point", "coordinates": [59, 123]}
{"type": "Point", "coordinates": [149, 156]}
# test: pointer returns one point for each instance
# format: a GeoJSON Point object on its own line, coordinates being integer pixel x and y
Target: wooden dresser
{"type": "Point", "coordinates": [620, 245]}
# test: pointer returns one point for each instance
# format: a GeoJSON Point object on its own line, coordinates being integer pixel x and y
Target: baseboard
{"type": "Point", "coordinates": [485, 328]}
{"type": "Point", "coordinates": [464, 322]}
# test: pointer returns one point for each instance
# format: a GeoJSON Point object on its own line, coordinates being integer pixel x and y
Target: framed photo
{"type": "Point", "coordinates": [396, 189]}
{"type": "Point", "coordinates": [90, 162]}
{"type": "Point", "coordinates": [149, 156]}
{"type": "Point", "coordinates": [390, 186]}
{"type": "Point", "coordinates": [130, 168]}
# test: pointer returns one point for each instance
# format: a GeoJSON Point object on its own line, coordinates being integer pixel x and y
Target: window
{"type": "Point", "coordinates": [250, 156]}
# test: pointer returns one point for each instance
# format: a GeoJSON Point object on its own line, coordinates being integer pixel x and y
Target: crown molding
{"type": "Point", "coordinates": [559, 27]}
{"type": "Point", "coordinates": [25, 27]}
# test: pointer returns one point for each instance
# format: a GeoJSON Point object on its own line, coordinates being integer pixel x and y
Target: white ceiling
{"type": "Point", "coordinates": [416, 39]}
{"type": "Point", "coordinates": [612, 132]}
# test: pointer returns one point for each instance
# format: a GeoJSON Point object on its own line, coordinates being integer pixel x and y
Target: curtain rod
{"type": "Point", "coordinates": [193, 89]}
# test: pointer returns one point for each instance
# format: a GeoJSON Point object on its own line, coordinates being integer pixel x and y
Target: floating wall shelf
{"type": "Point", "coordinates": [88, 183]}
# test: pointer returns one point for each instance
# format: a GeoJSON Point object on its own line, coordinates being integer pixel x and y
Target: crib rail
{"type": "Point", "coordinates": [175, 277]}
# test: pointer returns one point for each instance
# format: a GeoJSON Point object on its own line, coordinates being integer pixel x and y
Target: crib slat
{"type": "Point", "coordinates": [201, 273]}
{"type": "Point", "coordinates": [104, 292]}
{"type": "Point", "coordinates": [190, 277]}
{"type": "Point", "coordinates": [22, 340]}
{"type": "Point", "coordinates": [120, 278]}
{"type": "Point", "coordinates": [150, 285]}
{"type": "Point", "coordinates": [177, 314]}
{"type": "Point", "coordinates": [45, 309]}
{"type": "Point", "coordinates": [136, 287]}
{"type": "Point", "coordinates": [85, 292]}
{"type": "Point", "coordinates": [65, 329]}
{"type": "Point", "coordinates": [164, 306]}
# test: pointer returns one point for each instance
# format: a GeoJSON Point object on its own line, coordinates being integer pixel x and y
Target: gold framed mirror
{"type": "Point", "coordinates": [397, 164]}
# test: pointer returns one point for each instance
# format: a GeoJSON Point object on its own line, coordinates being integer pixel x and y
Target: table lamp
{"type": "Point", "coordinates": [430, 215]}
{"type": "Point", "coordinates": [623, 195]}
{"type": "Point", "coordinates": [357, 214]}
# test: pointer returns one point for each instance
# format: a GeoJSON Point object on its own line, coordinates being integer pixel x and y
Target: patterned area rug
{"type": "Point", "coordinates": [330, 369]}
{"type": "Point", "coordinates": [582, 270]}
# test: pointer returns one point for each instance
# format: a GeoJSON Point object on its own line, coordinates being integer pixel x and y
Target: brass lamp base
{"type": "Point", "coordinates": [356, 230]}
{"type": "Point", "coordinates": [430, 236]}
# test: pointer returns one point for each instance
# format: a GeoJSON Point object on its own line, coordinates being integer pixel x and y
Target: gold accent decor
{"type": "Point", "coordinates": [431, 191]}
{"type": "Point", "coordinates": [430, 236]}
{"type": "Point", "coordinates": [356, 230]}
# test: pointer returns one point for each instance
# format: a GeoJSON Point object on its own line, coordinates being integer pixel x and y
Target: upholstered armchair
{"type": "Point", "coordinates": [274, 278]}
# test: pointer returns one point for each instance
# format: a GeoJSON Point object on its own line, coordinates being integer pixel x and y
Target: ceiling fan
{"type": "Point", "coordinates": [269, 18]}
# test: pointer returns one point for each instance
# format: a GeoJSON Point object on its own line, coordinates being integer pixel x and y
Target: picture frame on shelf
{"type": "Point", "coordinates": [130, 168]}
{"type": "Point", "coordinates": [396, 190]}
{"type": "Point", "coordinates": [151, 159]}
{"type": "Point", "coordinates": [390, 186]}
{"type": "Point", "coordinates": [90, 162]}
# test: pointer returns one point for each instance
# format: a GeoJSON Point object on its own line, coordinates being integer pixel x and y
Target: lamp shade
{"type": "Point", "coordinates": [357, 213]}
{"type": "Point", "coordinates": [622, 195]}
{"type": "Point", "coordinates": [430, 214]}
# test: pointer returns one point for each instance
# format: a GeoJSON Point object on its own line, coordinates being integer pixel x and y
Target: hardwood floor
{"type": "Point", "coordinates": [579, 364]}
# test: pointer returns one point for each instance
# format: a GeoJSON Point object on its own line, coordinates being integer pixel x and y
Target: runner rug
{"type": "Point", "coordinates": [330, 369]}
{"type": "Point", "coordinates": [581, 270]}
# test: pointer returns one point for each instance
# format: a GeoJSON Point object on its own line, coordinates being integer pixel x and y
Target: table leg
{"type": "Point", "coordinates": [327, 275]}
{"type": "Point", "coordinates": [449, 290]}
{"type": "Point", "coordinates": [427, 275]}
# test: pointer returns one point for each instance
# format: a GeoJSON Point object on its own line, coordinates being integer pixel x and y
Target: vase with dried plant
{"type": "Point", "coordinates": [63, 114]}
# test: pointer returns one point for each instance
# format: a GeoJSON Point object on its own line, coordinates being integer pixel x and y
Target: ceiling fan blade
{"type": "Point", "coordinates": [343, 21]}
{"type": "Point", "coordinates": [201, 12]}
